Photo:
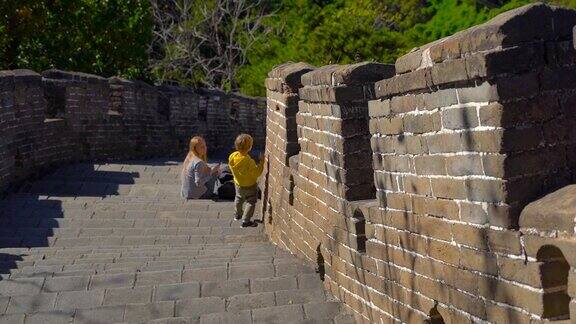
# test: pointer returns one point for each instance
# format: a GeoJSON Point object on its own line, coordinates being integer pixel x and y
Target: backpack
{"type": "Point", "coordinates": [225, 184]}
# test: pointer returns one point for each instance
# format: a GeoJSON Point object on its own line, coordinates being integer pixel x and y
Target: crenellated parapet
{"type": "Point", "coordinates": [467, 142]}
{"type": "Point", "coordinates": [61, 117]}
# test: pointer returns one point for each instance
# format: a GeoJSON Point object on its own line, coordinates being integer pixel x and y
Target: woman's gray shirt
{"type": "Point", "coordinates": [194, 179]}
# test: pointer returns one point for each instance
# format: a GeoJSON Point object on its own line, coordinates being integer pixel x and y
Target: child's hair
{"type": "Point", "coordinates": [193, 152]}
{"type": "Point", "coordinates": [243, 143]}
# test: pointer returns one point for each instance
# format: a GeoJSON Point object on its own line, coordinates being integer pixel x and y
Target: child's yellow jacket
{"type": "Point", "coordinates": [244, 169]}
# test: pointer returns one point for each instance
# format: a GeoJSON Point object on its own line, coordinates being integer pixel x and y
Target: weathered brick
{"type": "Point", "coordinates": [486, 190]}
{"type": "Point", "coordinates": [379, 108]}
{"type": "Point", "coordinates": [419, 124]}
{"type": "Point", "coordinates": [387, 126]}
{"type": "Point", "coordinates": [464, 165]}
{"type": "Point", "coordinates": [444, 251]}
{"type": "Point", "coordinates": [449, 72]}
{"type": "Point", "coordinates": [473, 213]}
{"type": "Point", "coordinates": [430, 165]}
{"type": "Point", "coordinates": [446, 143]}
{"type": "Point", "coordinates": [478, 261]}
{"type": "Point", "coordinates": [448, 188]}
{"type": "Point", "coordinates": [402, 104]}
{"type": "Point", "coordinates": [440, 98]}
{"type": "Point", "coordinates": [460, 118]}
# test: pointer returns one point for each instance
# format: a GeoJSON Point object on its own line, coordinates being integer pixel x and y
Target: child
{"type": "Point", "coordinates": [246, 173]}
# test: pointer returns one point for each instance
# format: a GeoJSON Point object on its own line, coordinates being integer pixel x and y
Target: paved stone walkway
{"type": "Point", "coordinates": [114, 243]}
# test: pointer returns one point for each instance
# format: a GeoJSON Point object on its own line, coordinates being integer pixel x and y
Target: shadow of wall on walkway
{"type": "Point", "coordinates": [40, 212]}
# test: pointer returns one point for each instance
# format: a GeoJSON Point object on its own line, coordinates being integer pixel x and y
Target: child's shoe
{"type": "Point", "coordinates": [237, 217]}
{"type": "Point", "coordinates": [248, 224]}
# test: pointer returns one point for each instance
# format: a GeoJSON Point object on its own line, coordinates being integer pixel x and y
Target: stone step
{"type": "Point", "coordinates": [55, 207]}
{"type": "Point", "coordinates": [119, 220]}
{"type": "Point", "coordinates": [38, 233]}
{"type": "Point", "coordinates": [49, 257]}
{"type": "Point", "coordinates": [318, 313]}
{"type": "Point", "coordinates": [44, 226]}
{"type": "Point", "coordinates": [203, 278]}
{"type": "Point", "coordinates": [10, 253]}
{"type": "Point", "coordinates": [183, 300]}
{"type": "Point", "coordinates": [117, 212]}
{"type": "Point", "coordinates": [114, 241]}
{"type": "Point", "coordinates": [231, 266]}
{"type": "Point", "coordinates": [54, 201]}
{"type": "Point", "coordinates": [36, 236]}
{"type": "Point", "coordinates": [199, 310]}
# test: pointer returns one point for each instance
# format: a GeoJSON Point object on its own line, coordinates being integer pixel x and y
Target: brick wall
{"type": "Point", "coordinates": [66, 116]}
{"type": "Point", "coordinates": [469, 130]}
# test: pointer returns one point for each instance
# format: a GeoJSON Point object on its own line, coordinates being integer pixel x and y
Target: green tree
{"type": "Point", "coordinates": [106, 37]}
{"type": "Point", "coordinates": [343, 31]}
{"type": "Point", "coordinates": [337, 31]}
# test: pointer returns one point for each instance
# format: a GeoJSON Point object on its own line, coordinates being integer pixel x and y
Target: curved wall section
{"type": "Point", "coordinates": [467, 132]}
{"type": "Point", "coordinates": [61, 117]}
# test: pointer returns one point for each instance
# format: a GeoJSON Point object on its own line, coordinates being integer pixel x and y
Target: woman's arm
{"type": "Point", "coordinates": [202, 173]}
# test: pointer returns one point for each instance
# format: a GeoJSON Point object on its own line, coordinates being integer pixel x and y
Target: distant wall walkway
{"type": "Point", "coordinates": [62, 117]}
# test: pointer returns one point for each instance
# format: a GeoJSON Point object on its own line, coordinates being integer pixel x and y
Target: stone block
{"type": "Point", "coordinates": [478, 261]}
{"type": "Point", "coordinates": [205, 274]}
{"type": "Point", "coordinates": [177, 291]}
{"type": "Point", "coordinates": [250, 271]}
{"type": "Point", "coordinates": [112, 281]}
{"type": "Point", "coordinates": [250, 301]}
{"type": "Point", "coordinates": [449, 188]}
{"type": "Point", "coordinates": [519, 86]}
{"type": "Point", "coordinates": [404, 83]}
{"type": "Point", "coordinates": [121, 296]}
{"type": "Point", "coordinates": [225, 288]}
{"type": "Point", "coordinates": [70, 300]}
{"type": "Point", "coordinates": [291, 73]}
{"type": "Point", "coordinates": [473, 213]}
{"type": "Point", "coordinates": [460, 118]}
{"type": "Point", "coordinates": [272, 284]}
{"type": "Point", "coordinates": [406, 103]}
{"type": "Point", "coordinates": [359, 73]}
{"type": "Point", "coordinates": [148, 312]}
{"type": "Point", "coordinates": [449, 72]}
{"type": "Point", "coordinates": [440, 98]}
{"type": "Point", "coordinates": [485, 190]}
{"type": "Point", "coordinates": [31, 304]}
{"type": "Point", "coordinates": [464, 165]}
{"type": "Point", "coordinates": [430, 165]}
{"type": "Point", "coordinates": [278, 314]}
{"type": "Point", "coordinates": [419, 124]}
{"type": "Point", "coordinates": [158, 277]}
{"type": "Point", "coordinates": [53, 317]}
{"type": "Point", "coordinates": [66, 283]}
{"type": "Point", "coordinates": [516, 59]}
{"type": "Point", "coordinates": [239, 317]}
{"type": "Point", "coordinates": [101, 315]}
{"type": "Point", "coordinates": [379, 108]}
{"type": "Point", "coordinates": [552, 212]}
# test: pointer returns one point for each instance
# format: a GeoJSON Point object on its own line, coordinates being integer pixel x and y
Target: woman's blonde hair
{"type": "Point", "coordinates": [243, 143]}
{"type": "Point", "coordinates": [193, 152]}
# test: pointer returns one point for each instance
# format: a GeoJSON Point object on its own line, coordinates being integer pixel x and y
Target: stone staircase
{"type": "Point", "coordinates": [114, 243]}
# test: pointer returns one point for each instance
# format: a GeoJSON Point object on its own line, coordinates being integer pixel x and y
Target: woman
{"type": "Point", "coordinates": [197, 177]}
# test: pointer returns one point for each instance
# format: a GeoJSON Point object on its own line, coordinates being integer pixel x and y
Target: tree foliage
{"type": "Point", "coordinates": [106, 37]}
{"type": "Point", "coordinates": [115, 37]}
{"type": "Point", "coordinates": [343, 31]}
